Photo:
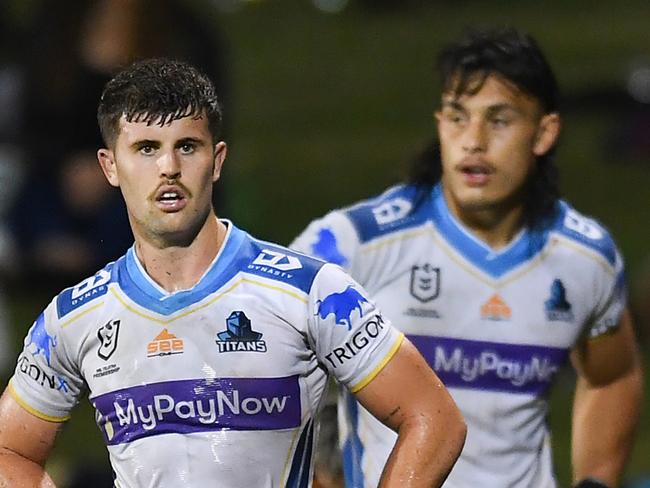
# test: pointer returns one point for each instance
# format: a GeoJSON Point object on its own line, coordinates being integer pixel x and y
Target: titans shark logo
{"type": "Point", "coordinates": [342, 305]}
{"type": "Point", "coordinates": [326, 248]}
{"type": "Point", "coordinates": [39, 337]}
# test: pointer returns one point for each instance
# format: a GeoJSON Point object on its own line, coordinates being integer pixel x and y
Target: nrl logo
{"type": "Point", "coordinates": [108, 339]}
{"type": "Point", "coordinates": [425, 282]}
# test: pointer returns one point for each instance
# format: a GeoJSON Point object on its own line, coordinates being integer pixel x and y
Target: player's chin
{"type": "Point", "coordinates": [477, 201]}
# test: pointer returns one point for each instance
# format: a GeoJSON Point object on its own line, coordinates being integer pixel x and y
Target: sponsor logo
{"type": "Point", "coordinates": [239, 335]}
{"type": "Point", "coordinates": [186, 406]}
{"type": "Point", "coordinates": [581, 225]}
{"type": "Point", "coordinates": [39, 338]}
{"type": "Point", "coordinates": [277, 260]}
{"type": "Point", "coordinates": [495, 309]}
{"type": "Point", "coordinates": [107, 335]}
{"type": "Point", "coordinates": [391, 211]}
{"type": "Point", "coordinates": [341, 305]}
{"type": "Point", "coordinates": [327, 249]}
{"type": "Point", "coordinates": [557, 306]}
{"type": "Point", "coordinates": [89, 289]}
{"type": "Point", "coordinates": [164, 344]}
{"type": "Point", "coordinates": [425, 282]}
{"type": "Point", "coordinates": [90, 286]}
{"type": "Point", "coordinates": [359, 340]}
{"type": "Point", "coordinates": [515, 368]}
{"type": "Point", "coordinates": [45, 380]}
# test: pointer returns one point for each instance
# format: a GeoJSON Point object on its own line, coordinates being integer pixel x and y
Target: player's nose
{"type": "Point", "coordinates": [169, 165]}
{"type": "Point", "coordinates": [474, 136]}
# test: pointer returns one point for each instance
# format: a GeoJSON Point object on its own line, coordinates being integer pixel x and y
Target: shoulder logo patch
{"type": "Point", "coordinates": [391, 211]}
{"type": "Point", "coordinates": [582, 225]}
{"type": "Point", "coordinates": [341, 305]}
{"type": "Point", "coordinates": [41, 340]}
{"type": "Point", "coordinates": [277, 260]}
{"type": "Point", "coordinates": [327, 249]}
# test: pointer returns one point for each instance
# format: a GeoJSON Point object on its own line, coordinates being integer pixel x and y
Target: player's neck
{"type": "Point", "coordinates": [177, 268]}
{"type": "Point", "coordinates": [496, 227]}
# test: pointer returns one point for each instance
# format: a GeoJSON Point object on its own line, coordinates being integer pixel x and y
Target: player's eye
{"type": "Point", "coordinates": [454, 117]}
{"type": "Point", "coordinates": [146, 149]}
{"type": "Point", "coordinates": [187, 148]}
{"type": "Point", "coordinates": [500, 122]}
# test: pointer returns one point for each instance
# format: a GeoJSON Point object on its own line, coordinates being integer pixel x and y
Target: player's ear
{"type": "Point", "coordinates": [437, 116]}
{"type": "Point", "coordinates": [548, 132]}
{"type": "Point", "coordinates": [106, 159]}
{"type": "Point", "coordinates": [220, 150]}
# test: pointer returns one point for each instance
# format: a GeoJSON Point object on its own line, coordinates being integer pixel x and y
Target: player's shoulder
{"type": "Point", "coordinates": [279, 263]}
{"type": "Point", "coordinates": [89, 290]}
{"type": "Point", "coordinates": [585, 232]}
{"type": "Point", "coordinates": [398, 208]}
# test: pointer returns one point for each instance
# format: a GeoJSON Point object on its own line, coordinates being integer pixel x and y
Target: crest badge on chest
{"type": "Point", "coordinates": [425, 282]}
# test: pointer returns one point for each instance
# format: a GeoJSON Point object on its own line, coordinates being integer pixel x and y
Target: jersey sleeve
{"type": "Point", "coordinates": [611, 301]}
{"type": "Point", "coordinates": [46, 381]}
{"type": "Point", "coordinates": [332, 238]}
{"type": "Point", "coordinates": [347, 331]}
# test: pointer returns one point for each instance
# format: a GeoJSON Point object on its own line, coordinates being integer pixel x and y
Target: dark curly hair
{"type": "Point", "coordinates": [463, 67]}
{"type": "Point", "coordinates": [157, 90]}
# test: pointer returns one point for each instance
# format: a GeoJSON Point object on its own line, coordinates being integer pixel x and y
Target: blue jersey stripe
{"type": "Point", "coordinates": [141, 290]}
{"type": "Point", "coordinates": [299, 473]}
{"type": "Point", "coordinates": [353, 447]}
{"type": "Point", "coordinates": [241, 254]}
{"type": "Point", "coordinates": [495, 264]}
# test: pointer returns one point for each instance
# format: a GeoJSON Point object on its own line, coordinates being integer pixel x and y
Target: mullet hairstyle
{"type": "Point", "coordinates": [157, 90]}
{"type": "Point", "coordinates": [464, 66]}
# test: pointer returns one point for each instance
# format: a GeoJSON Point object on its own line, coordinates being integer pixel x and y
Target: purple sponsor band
{"type": "Point", "coordinates": [491, 366]}
{"type": "Point", "coordinates": [187, 406]}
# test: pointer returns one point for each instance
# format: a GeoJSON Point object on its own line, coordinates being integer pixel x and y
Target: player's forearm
{"type": "Point", "coordinates": [604, 423]}
{"type": "Point", "coordinates": [424, 452]}
{"type": "Point", "coordinates": [18, 471]}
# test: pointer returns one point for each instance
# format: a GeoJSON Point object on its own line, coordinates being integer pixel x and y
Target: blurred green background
{"type": "Point", "coordinates": [327, 108]}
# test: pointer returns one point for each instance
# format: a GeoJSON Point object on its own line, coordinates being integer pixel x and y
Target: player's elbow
{"type": "Point", "coordinates": [456, 431]}
{"type": "Point", "coordinates": [442, 427]}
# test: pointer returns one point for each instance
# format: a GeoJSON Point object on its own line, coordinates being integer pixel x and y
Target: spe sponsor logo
{"type": "Point", "coordinates": [164, 344]}
{"type": "Point", "coordinates": [496, 309]}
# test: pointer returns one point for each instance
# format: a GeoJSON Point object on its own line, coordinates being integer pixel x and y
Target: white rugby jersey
{"type": "Point", "coordinates": [217, 385]}
{"type": "Point", "coordinates": [496, 326]}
